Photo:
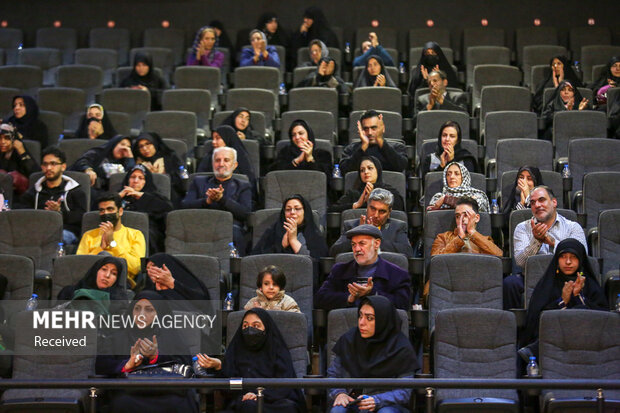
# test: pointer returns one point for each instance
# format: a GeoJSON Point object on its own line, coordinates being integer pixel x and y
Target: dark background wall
{"type": "Point", "coordinates": [349, 14]}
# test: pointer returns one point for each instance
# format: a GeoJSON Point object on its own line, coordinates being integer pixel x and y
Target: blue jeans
{"type": "Point", "coordinates": [352, 409]}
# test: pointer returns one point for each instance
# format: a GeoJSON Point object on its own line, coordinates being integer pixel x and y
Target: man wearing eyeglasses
{"type": "Point", "coordinates": [57, 192]}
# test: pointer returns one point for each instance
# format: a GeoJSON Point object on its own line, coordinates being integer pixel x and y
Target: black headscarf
{"type": "Point", "coordinates": [29, 125]}
{"type": "Point", "coordinates": [222, 40]}
{"type": "Point", "coordinates": [514, 196]}
{"type": "Point", "coordinates": [429, 62]}
{"type": "Point", "coordinates": [116, 291]}
{"type": "Point", "coordinates": [229, 136]}
{"type": "Point", "coordinates": [388, 353]}
{"type": "Point", "coordinates": [569, 75]}
{"type": "Point", "coordinates": [249, 132]}
{"type": "Point", "coordinates": [320, 28]}
{"type": "Point", "coordinates": [280, 37]}
{"type": "Point", "coordinates": [271, 240]}
{"type": "Point", "coordinates": [358, 186]}
{"type": "Point", "coordinates": [549, 289]}
{"type": "Point", "coordinates": [152, 81]}
{"type": "Point", "coordinates": [108, 128]}
{"type": "Point", "coordinates": [315, 79]}
{"type": "Point", "coordinates": [269, 359]}
{"type": "Point", "coordinates": [460, 154]}
{"type": "Point", "coordinates": [96, 157]}
{"type": "Point", "coordinates": [186, 285]}
{"type": "Point", "coordinates": [299, 122]}
{"type": "Point", "coordinates": [366, 79]}
{"type": "Point", "coordinates": [172, 162]}
{"type": "Point", "coordinates": [149, 185]}
{"type": "Point", "coordinates": [603, 79]}
{"type": "Point", "coordinates": [556, 104]}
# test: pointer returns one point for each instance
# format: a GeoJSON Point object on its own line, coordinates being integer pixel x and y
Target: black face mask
{"type": "Point", "coordinates": [112, 218]}
{"type": "Point", "coordinates": [253, 337]}
{"type": "Point", "coordinates": [431, 61]}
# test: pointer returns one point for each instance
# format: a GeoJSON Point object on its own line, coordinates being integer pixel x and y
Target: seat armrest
{"type": "Point", "coordinates": [320, 317]}
{"type": "Point", "coordinates": [334, 220]}
{"type": "Point", "coordinates": [520, 316]}
{"type": "Point", "coordinates": [419, 318]}
{"type": "Point", "coordinates": [326, 264]}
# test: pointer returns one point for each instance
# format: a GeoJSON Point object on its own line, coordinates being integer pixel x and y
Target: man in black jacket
{"type": "Point", "coordinates": [438, 97]}
{"type": "Point", "coordinates": [57, 192]}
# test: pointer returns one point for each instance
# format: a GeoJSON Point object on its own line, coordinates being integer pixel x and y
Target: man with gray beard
{"type": "Point", "coordinates": [223, 192]}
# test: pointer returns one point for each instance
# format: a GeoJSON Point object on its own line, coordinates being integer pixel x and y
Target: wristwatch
{"type": "Point", "coordinates": [112, 244]}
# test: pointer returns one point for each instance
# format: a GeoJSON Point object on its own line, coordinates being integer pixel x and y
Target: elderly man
{"type": "Point", "coordinates": [366, 274]}
{"type": "Point", "coordinates": [439, 98]}
{"type": "Point", "coordinates": [393, 156]}
{"type": "Point", "coordinates": [538, 235]}
{"type": "Point", "coordinates": [113, 238]}
{"type": "Point", "coordinates": [393, 231]}
{"type": "Point", "coordinates": [372, 47]}
{"type": "Point", "coordinates": [223, 192]}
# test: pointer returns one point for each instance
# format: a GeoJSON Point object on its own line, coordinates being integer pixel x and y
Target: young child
{"type": "Point", "coordinates": [270, 293]}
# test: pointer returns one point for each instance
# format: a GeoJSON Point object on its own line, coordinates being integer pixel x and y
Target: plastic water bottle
{"type": "Point", "coordinates": [60, 251]}
{"type": "Point", "coordinates": [337, 173]}
{"type": "Point", "coordinates": [494, 207]}
{"type": "Point", "coordinates": [61, 137]}
{"type": "Point", "coordinates": [233, 251]}
{"type": "Point", "coordinates": [566, 171]}
{"type": "Point", "coordinates": [32, 303]}
{"type": "Point", "coordinates": [532, 367]}
{"type": "Point", "coordinates": [199, 371]}
{"type": "Point", "coordinates": [347, 47]}
{"type": "Point", "coordinates": [183, 172]}
{"type": "Point", "coordinates": [21, 46]}
{"type": "Point", "coordinates": [229, 303]}
{"type": "Point", "coordinates": [577, 67]}
{"type": "Point", "coordinates": [6, 206]}
{"type": "Point", "coordinates": [402, 68]}
{"type": "Point", "coordinates": [617, 307]}
{"type": "Point", "coordinates": [282, 88]}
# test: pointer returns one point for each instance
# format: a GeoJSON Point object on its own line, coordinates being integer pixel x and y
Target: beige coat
{"type": "Point", "coordinates": [280, 302]}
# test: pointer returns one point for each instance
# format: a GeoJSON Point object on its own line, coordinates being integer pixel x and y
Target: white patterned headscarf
{"type": "Point", "coordinates": [464, 189]}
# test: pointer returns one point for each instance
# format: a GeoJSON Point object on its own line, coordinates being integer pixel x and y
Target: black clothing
{"type": "Point", "coordinates": [116, 291]}
{"type": "Point", "coordinates": [366, 79]}
{"type": "Point", "coordinates": [151, 80]}
{"type": "Point", "coordinates": [393, 156]}
{"type": "Point", "coordinates": [186, 285]}
{"type": "Point", "coordinates": [319, 30]}
{"type": "Point", "coordinates": [514, 197]}
{"type": "Point", "coordinates": [603, 80]}
{"type": "Point", "coordinates": [331, 81]}
{"type": "Point", "coordinates": [24, 163]}
{"type": "Point", "coordinates": [460, 155]}
{"type": "Point", "coordinates": [280, 37]}
{"type": "Point", "coordinates": [237, 197]}
{"type": "Point", "coordinates": [29, 125]}
{"type": "Point", "coordinates": [556, 104]}
{"type": "Point", "coordinates": [569, 75]}
{"type": "Point", "coordinates": [429, 62]}
{"type": "Point", "coordinates": [108, 129]}
{"type": "Point", "coordinates": [249, 132]}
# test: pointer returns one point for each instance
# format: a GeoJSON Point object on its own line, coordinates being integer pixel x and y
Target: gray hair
{"type": "Point", "coordinates": [381, 195]}
{"type": "Point", "coordinates": [224, 148]}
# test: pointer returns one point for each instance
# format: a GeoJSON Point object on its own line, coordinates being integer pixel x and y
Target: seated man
{"type": "Point", "coordinates": [465, 237]}
{"type": "Point", "coordinates": [439, 97]}
{"type": "Point", "coordinates": [393, 156]}
{"type": "Point", "coordinates": [57, 192]}
{"type": "Point", "coordinates": [223, 192]}
{"type": "Point", "coordinates": [393, 231]}
{"type": "Point", "coordinates": [538, 235]}
{"type": "Point", "coordinates": [366, 274]}
{"type": "Point", "coordinates": [372, 47]}
{"type": "Point", "coordinates": [113, 238]}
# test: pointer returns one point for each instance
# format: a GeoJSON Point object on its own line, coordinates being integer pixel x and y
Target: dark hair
{"type": "Point", "coordinates": [466, 200]}
{"type": "Point", "coordinates": [454, 125]}
{"type": "Point", "coordinates": [371, 113]}
{"type": "Point", "coordinates": [546, 188]}
{"type": "Point", "coordinates": [111, 196]}
{"type": "Point", "coordinates": [441, 74]}
{"type": "Point", "coordinates": [53, 150]}
{"type": "Point", "coordinates": [277, 276]}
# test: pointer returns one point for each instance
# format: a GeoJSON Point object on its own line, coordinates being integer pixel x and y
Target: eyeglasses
{"type": "Point", "coordinates": [289, 210]}
{"type": "Point", "coordinates": [52, 164]}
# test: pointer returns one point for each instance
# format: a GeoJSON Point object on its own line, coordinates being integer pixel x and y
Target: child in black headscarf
{"type": "Point", "coordinates": [376, 348]}
{"type": "Point", "coordinates": [258, 350]}
{"type": "Point", "coordinates": [143, 76]}
{"type": "Point", "coordinates": [569, 282]}
{"type": "Point", "coordinates": [374, 74]}
{"type": "Point", "coordinates": [26, 120]}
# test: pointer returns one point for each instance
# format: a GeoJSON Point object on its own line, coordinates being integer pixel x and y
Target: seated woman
{"type": "Point", "coordinates": [301, 153]}
{"type": "Point", "coordinates": [144, 77]}
{"type": "Point", "coordinates": [448, 150]}
{"type": "Point", "coordinates": [150, 150]}
{"type": "Point", "coordinates": [528, 177]}
{"type": "Point", "coordinates": [203, 50]}
{"type": "Point", "coordinates": [95, 124]}
{"type": "Point", "coordinates": [260, 54]}
{"type": "Point", "coordinates": [316, 51]}
{"type": "Point", "coordinates": [225, 135]}
{"type": "Point", "coordinates": [314, 26]}
{"type": "Point", "coordinates": [269, 24]}
{"type": "Point", "coordinates": [102, 277]}
{"type": "Point", "coordinates": [569, 282]}
{"type": "Point", "coordinates": [294, 233]}
{"type": "Point", "coordinates": [15, 158]}
{"type": "Point", "coordinates": [270, 294]}
{"type": "Point", "coordinates": [26, 120]}
{"type": "Point", "coordinates": [608, 79]}
{"type": "Point", "coordinates": [457, 184]}
{"type": "Point", "coordinates": [146, 343]}
{"type": "Point", "coordinates": [173, 280]}
{"type": "Point", "coordinates": [369, 177]}
{"type": "Point", "coordinates": [565, 97]}
{"type": "Point", "coordinates": [374, 74]}
{"type": "Point", "coordinates": [325, 77]}
{"type": "Point", "coordinates": [101, 162]}
{"type": "Point", "coordinates": [241, 121]}
{"type": "Point", "coordinates": [376, 348]}
{"type": "Point", "coordinates": [258, 350]}
{"type": "Point", "coordinates": [140, 194]}
{"type": "Point", "coordinates": [431, 58]}
{"type": "Point", "coordinates": [559, 70]}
